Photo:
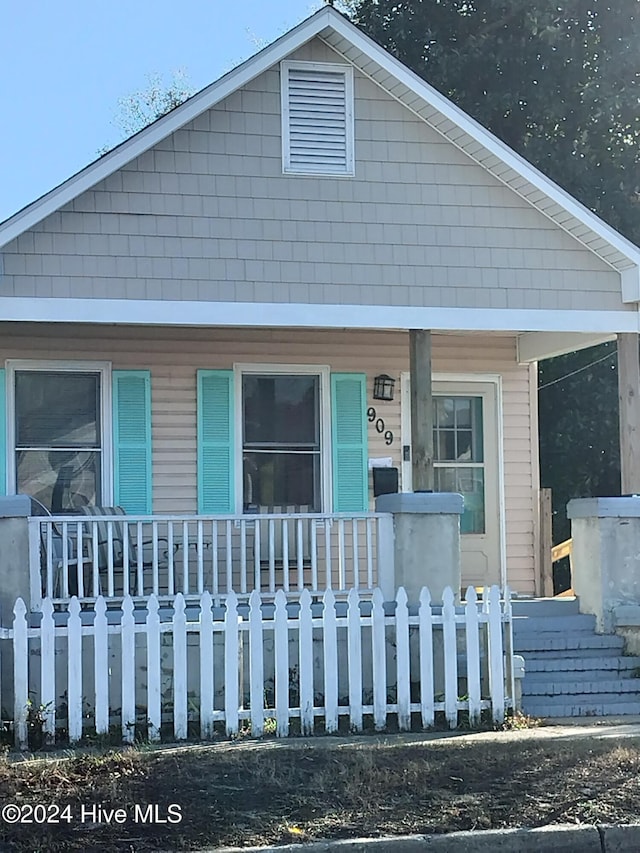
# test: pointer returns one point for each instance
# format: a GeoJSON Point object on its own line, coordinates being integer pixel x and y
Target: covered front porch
{"type": "Point", "coordinates": [210, 473]}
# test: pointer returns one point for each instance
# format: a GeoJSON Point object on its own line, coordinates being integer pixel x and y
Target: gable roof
{"type": "Point", "coordinates": [407, 88]}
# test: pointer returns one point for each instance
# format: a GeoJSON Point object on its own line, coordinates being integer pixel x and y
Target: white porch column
{"type": "Point", "coordinates": [426, 541]}
{"type": "Point", "coordinates": [605, 560]}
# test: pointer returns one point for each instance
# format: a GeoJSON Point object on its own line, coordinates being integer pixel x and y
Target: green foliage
{"type": "Point", "coordinates": [579, 446]}
{"type": "Point", "coordinates": [559, 82]}
{"type": "Point", "coordinates": [141, 108]}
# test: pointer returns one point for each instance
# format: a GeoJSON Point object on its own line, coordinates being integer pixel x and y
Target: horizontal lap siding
{"type": "Point", "coordinates": [174, 355]}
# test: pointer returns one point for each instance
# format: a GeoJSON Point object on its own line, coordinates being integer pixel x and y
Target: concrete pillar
{"type": "Point", "coordinates": [605, 559]}
{"type": "Point", "coordinates": [14, 555]}
{"type": "Point", "coordinates": [426, 541]}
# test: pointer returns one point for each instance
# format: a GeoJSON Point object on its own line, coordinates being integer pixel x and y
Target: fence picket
{"type": "Point", "coordinates": [330, 632]}
{"type": "Point", "coordinates": [154, 673]}
{"type": "Point", "coordinates": [354, 655]}
{"type": "Point", "coordinates": [496, 668]}
{"type": "Point", "coordinates": [379, 659]}
{"type": "Point", "coordinates": [450, 658]}
{"type": "Point", "coordinates": [48, 671]}
{"type": "Point", "coordinates": [425, 623]}
{"type": "Point", "coordinates": [281, 664]}
{"type": "Point", "coordinates": [101, 665]}
{"type": "Point", "coordinates": [403, 673]}
{"type": "Point", "coordinates": [179, 668]}
{"type": "Point", "coordinates": [256, 665]}
{"type": "Point", "coordinates": [473, 655]}
{"type": "Point", "coordinates": [74, 688]}
{"type": "Point", "coordinates": [128, 663]}
{"type": "Point", "coordinates": [231, 665]}
{"type": "Point", "coordinates": [207, 667]}
{"type": "Point", "coordinates": [305, 669]}
{"type": "Point", "coordinates": [338, 635]}
{"type": "Point", "coordinates": [20, 674]}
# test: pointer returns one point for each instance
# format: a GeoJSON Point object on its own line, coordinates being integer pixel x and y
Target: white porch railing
{"type": "Point", "coordinates": [119, 555]}
{"type": "Point", "coordinates": [153, 672]}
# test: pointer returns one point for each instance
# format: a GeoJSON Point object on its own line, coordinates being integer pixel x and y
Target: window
{"type": "Point", "coordinates": [281, 444]}
{"type": "Point", "coordinates": [459, 456]}
{"type": "Point", "coordinates": [317, 118]}
{"type": "Point", "coordinates": [58, 435]}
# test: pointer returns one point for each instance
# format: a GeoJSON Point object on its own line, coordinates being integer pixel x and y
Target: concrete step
{"type": "Point", "coordinates": [556, 641]}
{"type": "Point", "coordinates": [545, 606]}
{"type": "Point", "coordinates": [571, 623]}
{"type": "Point", "coordinates": [607, 704]}
{"type": "Point", "coordinates": [580, 675]}
{"type": "Point", "coordinates": [568, 662]}
{"type": "Point", "coordinates": [582, 686]}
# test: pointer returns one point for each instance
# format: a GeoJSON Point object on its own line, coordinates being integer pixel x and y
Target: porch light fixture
{"type": "Point", "coordinates": [383, 386]}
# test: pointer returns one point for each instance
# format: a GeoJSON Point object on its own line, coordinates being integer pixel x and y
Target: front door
{"type": "Point", "coordinates": [466, 460]}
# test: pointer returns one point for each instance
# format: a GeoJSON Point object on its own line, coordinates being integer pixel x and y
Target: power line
{"type": "Point", "coordinates": [579, 370]}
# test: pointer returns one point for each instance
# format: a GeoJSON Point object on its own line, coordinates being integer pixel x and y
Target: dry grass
{"type": "Point", "coordinates": [245, 794]}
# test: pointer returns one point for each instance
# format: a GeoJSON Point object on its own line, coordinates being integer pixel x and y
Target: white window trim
{"type": "Point", "coordinates": [494, 379]}
{"type": "Point", "coordinates": [342, 68]}
{"type": "Point", "coordinates": [106, 433]}
{"type": "Point", "coordinates": [321, 370]}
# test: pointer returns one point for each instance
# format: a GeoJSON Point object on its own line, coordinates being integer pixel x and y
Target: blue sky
{"type": "Point", "coordinates": [65, 65]}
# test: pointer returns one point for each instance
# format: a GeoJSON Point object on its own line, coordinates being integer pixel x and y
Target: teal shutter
{"type": "Point", "coordinates": [132, 440]}
{"type": "Point", "coordinates": [349, 442]}
{"type": "Point", "coordinates": [3, 433]}
{"type": "Point", "coordinates": [215, 441]}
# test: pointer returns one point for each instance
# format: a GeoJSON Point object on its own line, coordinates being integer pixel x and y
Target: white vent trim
{"type": "Point", "coordinates": [317, 118]}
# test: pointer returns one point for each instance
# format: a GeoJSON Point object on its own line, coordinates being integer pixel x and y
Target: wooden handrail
{"type": "Point", "coordinates": [563, 549]}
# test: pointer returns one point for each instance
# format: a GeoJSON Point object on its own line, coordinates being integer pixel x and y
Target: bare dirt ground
{"type": "Point", "coordinates": [250, 793]}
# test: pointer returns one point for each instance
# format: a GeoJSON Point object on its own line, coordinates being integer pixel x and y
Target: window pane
{"type": "Point", "coordinates": [444, 412]}
{"type": "Point", "coordinates": [463, 442]}
{"type": "Point", "coordinates": [463, 412]}
{"type": "Point", "coordinates": [462, 437]}
{"type": "Point", "coordinates": [59, 479]}
{"type": "Point", "coordinates": [281, 479]}
{"type": "Point", "coordinates": [281, 410]}
{"type": "Point", "coordinates": [57, 409]}
{"type": "Point", "coordinates": [469, 482]}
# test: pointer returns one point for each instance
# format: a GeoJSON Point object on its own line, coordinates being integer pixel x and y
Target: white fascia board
{"type": "Point", "coordinates": [490, 142]}
{"type": "Point", "coordinates": [534, 346]}
{"type": "Point", "coordinates": [156, 312]}
{"type": "Point", "coordinates": [163, 127]}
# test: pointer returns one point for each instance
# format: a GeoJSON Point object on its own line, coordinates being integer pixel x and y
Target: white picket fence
{"type": "Point", "coordinates": [264, 665]}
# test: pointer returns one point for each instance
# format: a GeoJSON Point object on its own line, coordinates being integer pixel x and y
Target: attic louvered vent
{"type": "Point", "coordinates": [317, 118]}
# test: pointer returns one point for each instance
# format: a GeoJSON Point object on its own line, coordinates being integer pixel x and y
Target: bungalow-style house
{"type": "Point", "coordinates": [194, 323]}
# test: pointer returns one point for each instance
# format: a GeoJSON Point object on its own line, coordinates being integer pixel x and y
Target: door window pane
{"type": "Point", "coordinates": [58, 437]}
{"type": "Point", "coordinates": [469, 482]}
{"type": "Point", "coordinates": [459, 456]}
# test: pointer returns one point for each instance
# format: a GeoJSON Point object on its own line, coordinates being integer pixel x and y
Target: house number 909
{"type": "Point", "coordinates": [379, 425]}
